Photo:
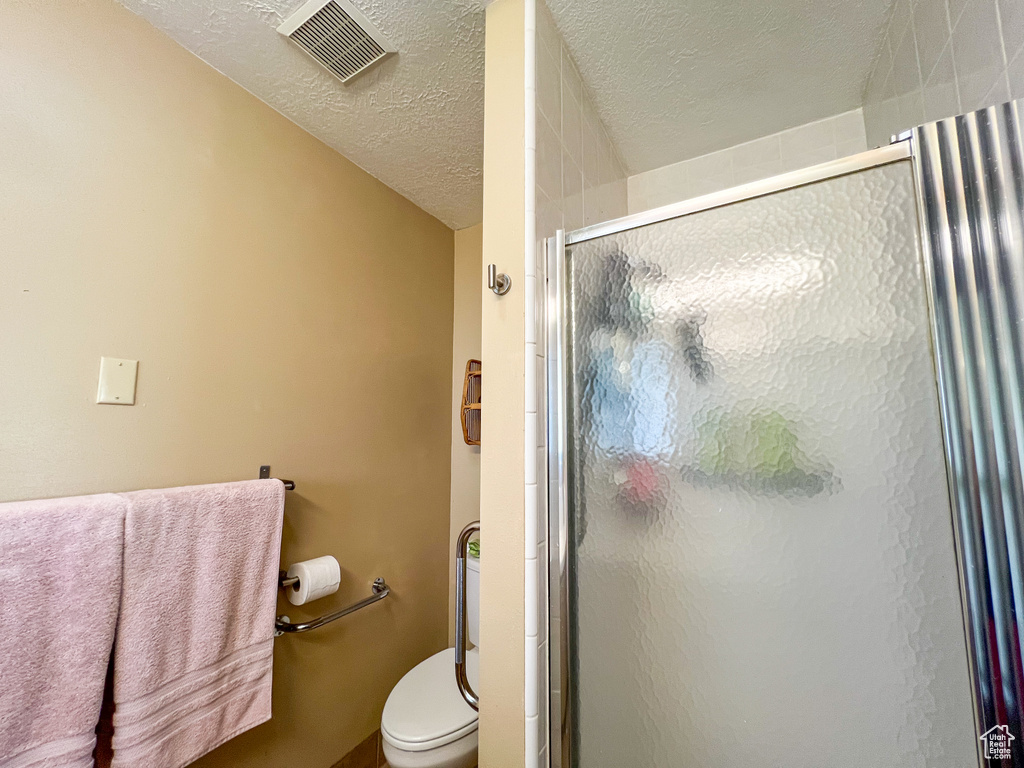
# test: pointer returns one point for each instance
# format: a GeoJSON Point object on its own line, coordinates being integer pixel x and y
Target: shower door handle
{"type": "Point", "coordinates": [461, 623]}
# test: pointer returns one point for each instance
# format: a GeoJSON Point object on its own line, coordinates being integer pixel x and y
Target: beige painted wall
{"type": "Point", "coordinates": [286, 308]}
{"type": "Point", "coordinates": [502, 467]}
{"type": "Point", "coordinates": [465, 346]}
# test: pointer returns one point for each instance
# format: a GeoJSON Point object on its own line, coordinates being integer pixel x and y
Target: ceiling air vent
{"type": "Point", "coordinates": [338, 36]}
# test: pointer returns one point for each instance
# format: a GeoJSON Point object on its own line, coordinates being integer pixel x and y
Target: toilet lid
{"type": "Point", "coordinates": [425, 710]}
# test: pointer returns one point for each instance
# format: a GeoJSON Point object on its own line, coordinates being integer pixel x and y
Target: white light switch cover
{"type": "Point", "coordinates": [117, 381]}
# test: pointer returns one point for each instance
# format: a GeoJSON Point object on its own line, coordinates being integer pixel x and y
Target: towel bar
{"type": "Point", "coordinates": [282, 625]}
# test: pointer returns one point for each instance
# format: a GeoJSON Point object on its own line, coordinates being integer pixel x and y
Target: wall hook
{"type": "Point", "coordinates": [500, 284]}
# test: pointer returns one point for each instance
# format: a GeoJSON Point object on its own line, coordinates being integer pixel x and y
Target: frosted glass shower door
{"type": "Point", "coordinates": [760, 542]}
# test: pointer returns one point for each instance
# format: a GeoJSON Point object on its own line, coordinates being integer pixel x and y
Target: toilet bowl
{"type": "Point", "coordinates": [426, 722]}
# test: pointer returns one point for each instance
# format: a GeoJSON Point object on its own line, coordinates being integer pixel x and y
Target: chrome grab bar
{"type": "Point", "coordinates": [283, 625]}
{"type": "Point", "coordinates": [461, 624]}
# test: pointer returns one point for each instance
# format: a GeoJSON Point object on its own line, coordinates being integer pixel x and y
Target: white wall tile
{"type": "Point", "coordinates": [542, 676]}
{"type": "Point", "coordinates": [547, 32]}
{"type": "Point", "coordinates": [532, 611]}
{"type": "Point", "coordinates": [549, 162]}
{"type": "Point", "coordinates": [549, 211]}
{"type": "Point", "coordinates": [572, 124]}
{"type": "Point", "coordinates": [538, 293]}
{"type": "Point", "coordinates": [714, 164]}
{"type": "Point", "coordinates": [816, 135]}
{"type": "Point", "coordinates": [905, 71]}
{"type": "Point", "coordinates": [531, 443]}
{"type": "Point", "coordinates": [532, 741]}
{"type": "Point", "coordinates": [956, 7]}
{"type": "Point", "coordinates": [850, 147]}
{"type": "Point", "coordinates": [532, 395]}
{"type": "Point", "coordinates": [541, 508]}
{"type": "Point", "coordinates": [965, 60]}
{"type": "Point", "coordinates": [541, 380]}
{"type": "Point", "coordinates": [1015, 75]}
{"type": "Point", "coordinates": [571, 82]}
{"type": "Point", "coordinates": [798, 147]}
{"type": "Point", "coordinates": [888, 116]}
{"type": "Point", "coordinates": [815, 156]}
{"type": "Point", "coordinates": [1011, 21]}
{"type": "Point", "coordinates": [747, 173]}
{"type": "Point", "coordinates": [572, 192]}
{"type": "Point", "coordinates": [808, 145]}
{"type": "Point", "coordinates": [977, 53]}
{"type": "Point", "coordinates": [592, 156]}
{"type": "Point", "coordinates": [532, 694]}
{"type": "Point", "coordinates": [592, 208]}
{"type": "Point", "coordinates": [759, 152]}
{"type": "Point", "coordinates": [883, 60]}
{"type": "Point", "coordinates": [1000, 91]}
{"type": "Point", "coordinates": [911, 109]}
{"type": "Point", "coordinates": [549, 88]}
{"type": "Point", "coordinates": [940, 94]}
{"type": "Point", "coordinates": [899, 20]}
{"type": "Point", "coordinates": [532, 515]}
{"type": "Point", "coordinates": [608, 169]}
{"type": "Point", "coordinates": [849, 129]}
{"type": "Point", "coordinates": [931, 26]}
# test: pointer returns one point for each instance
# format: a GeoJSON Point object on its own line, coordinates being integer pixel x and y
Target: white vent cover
{"type": "Point", "coordinates": [338, 36]}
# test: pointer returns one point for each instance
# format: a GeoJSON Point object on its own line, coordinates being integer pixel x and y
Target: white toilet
{"type": "Point", "coordinates": [426, 722]}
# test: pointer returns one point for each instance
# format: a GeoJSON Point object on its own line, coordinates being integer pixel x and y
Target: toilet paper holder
{"type": "Point", "coordinates": [283, 625]}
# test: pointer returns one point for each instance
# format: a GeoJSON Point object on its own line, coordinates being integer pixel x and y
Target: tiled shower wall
{"type": "Point", "coordinates": [800, 147]}
{"type": "Point", "coordinates": [940, 58]}
{"type": "Point", "coordinates": [580, 178]}
{"type": "Point", "coordinates": [577, 179]}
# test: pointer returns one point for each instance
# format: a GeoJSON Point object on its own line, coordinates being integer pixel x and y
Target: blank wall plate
{"type": "Point", "coordinates": [117, 381]}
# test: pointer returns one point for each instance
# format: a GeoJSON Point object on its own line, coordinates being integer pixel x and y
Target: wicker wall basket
{"type": "Point", "coordinates": [471, 403]}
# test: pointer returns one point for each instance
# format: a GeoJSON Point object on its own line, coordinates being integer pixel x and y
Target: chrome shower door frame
{"type": "Point", "coordinates": [969, 174]}
{"type": "Point", "coordinates": [561, 720]}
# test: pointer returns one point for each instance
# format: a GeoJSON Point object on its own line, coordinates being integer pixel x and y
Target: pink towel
{"type": "Point", "coordinates": [60, 580]}
{"type": "Point", "coordinates": [194, 651]}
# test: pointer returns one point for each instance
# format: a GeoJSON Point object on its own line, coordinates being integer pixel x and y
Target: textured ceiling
{"type": "Point", "coordinates": [674, 79]}
{"type": "Point", "coordinates": [415, 121]}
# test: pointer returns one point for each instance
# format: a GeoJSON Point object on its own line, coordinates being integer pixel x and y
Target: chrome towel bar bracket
{"type": "Point", "coordinates": [265, 475]}
{"type": "Point", "coordinates": [282, 625]}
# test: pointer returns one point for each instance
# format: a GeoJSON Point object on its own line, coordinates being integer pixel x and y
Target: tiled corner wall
{"type": "Point", "coordinates": [800, 147]}
{"type": "Point", "coordinates": [940, 58]}
{"type": "Point", "coordinates": [580, 177]}
{"type": "Point", "coordinates": [575, 177]}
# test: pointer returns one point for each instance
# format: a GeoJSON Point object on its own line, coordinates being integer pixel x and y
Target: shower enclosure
{"type": "Point", "coordinates": [785, 445]}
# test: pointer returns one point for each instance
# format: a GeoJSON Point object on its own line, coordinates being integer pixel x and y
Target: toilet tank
{"type": "Point", "coordinates": [473, 599]}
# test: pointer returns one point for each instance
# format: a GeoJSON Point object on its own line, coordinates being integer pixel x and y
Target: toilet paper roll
{"type": "Point", "coordinates": [318, 578]}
